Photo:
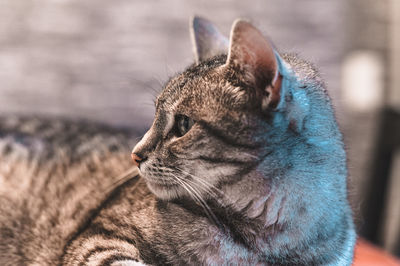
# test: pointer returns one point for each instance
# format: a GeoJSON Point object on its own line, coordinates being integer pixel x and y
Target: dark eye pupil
{"type": "Point", "coordinates": [184, 124]}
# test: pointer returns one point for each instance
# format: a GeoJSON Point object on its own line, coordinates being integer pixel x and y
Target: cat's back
{"type": "Point", "coordinates": [53, 175]}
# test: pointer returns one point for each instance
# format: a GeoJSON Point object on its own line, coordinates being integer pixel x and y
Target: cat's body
{"type": "Point", "coordinates": [54, 174]}
{"type": "Point", "coordinates": [230, 175]}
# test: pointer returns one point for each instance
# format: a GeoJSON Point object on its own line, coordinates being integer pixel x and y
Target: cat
{"type": "Point", "coordinates": [244, 164]}
{"type": "Point", "coordinates": [54, 175]}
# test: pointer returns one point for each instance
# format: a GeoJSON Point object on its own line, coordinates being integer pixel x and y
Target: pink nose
{"type": "Point", "coordinates": [136, 159]}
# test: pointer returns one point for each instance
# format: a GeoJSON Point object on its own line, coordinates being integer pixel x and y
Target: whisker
{"type": "Point", "coordinates": [198, 179]}
{"type": "Point", "coordinates": [204, 187]}
{"type": "Point", "coordinates": [123, 178]}
{"type": "Point", "coordinates": [213, 191]}
{"type": "Point", "coordinates": [192, 188]}
{"type": "Point", "coordinates": [206, 207]}
{"type": "Point", "coordinates": [195, 194]}
{"type": "Point", "coordinates": [185, 186]}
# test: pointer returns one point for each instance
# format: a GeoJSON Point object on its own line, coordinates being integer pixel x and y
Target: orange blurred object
{"type": "Point", "coordinates": [367, 254]}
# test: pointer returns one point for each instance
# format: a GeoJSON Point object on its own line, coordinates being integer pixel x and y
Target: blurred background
{"type": "Point", "coordinates": [106, 60]}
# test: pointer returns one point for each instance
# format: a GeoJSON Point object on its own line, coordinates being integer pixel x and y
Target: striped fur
{"type": "Point", "coordinates": [244, 185]}
{"type": "Point", "coordinates": [54, 175]}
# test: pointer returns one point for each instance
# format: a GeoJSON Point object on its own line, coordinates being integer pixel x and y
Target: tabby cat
{"type": "Point", "coordinates": [244, 164]}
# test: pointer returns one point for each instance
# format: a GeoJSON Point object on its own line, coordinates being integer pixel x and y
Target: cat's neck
{"type": "Point", "coordinates": [264, 197]}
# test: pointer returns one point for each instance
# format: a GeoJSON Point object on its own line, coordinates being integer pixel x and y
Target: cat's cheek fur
{"type": "Point", "coordinates": [214, 173]}
{"type": "Point", "coordinates": [165, 193]}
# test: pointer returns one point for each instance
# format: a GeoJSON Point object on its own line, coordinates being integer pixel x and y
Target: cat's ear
{"type": "Point", "coordinates": [253, 55]}
{"type": "Point", "coordinates": [206, 39]}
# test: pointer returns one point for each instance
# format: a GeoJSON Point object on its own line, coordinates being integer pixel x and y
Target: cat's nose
{"type": "Point", "coordinates": [136, 159]}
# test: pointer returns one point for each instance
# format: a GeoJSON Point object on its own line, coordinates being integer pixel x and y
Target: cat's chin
{"type": "Point", "coordinates": [165, 192]}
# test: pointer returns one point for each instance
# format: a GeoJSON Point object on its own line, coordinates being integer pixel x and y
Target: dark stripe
{"type": "Point", "coordinates": [93, 251]}
{"type": "Point", "coordinates": [116, 257]}
{"type": "Point", "coordinates": [227, 139]}
{"type": "Point", "coordinates": [93, 213]}
{"type": "Point", "coordinates": [148, 252]}
{"type": "Point", "coordinates": [35, 174]}
{"type": "Point", "coordinates": [223, 160]}
{"type": "Point", "coordinates": [50, 174]}
{"type": "Point", "coordinates": [245, 168]}
{"type": "Point", "coordinates": [98, 229]}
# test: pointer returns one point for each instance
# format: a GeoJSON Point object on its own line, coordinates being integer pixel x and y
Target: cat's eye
{"type": "Point", "coordinates": [183, 124]}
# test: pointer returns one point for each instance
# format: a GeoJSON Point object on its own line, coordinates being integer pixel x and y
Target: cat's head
{"type": "Point", "coordinates": [225, 115]}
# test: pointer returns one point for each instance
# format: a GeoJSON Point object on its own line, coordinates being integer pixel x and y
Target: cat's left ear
{"type": "Point", "coordinates": [207, 39]}
{"type": "Point", "coordinates": [254, 57]}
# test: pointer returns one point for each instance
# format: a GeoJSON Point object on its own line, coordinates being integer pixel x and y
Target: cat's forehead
{"type": "Point", "coordinates": [171, 90]}
{"type": "Point", "coordinates": [197, 80]}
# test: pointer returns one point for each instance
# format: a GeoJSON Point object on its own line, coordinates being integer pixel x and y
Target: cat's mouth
{"type": "Point", "coordinates": [161, 181]}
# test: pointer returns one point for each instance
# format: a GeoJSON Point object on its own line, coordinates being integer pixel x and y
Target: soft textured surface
{"type": "Point", "coordinates": [54, 175]}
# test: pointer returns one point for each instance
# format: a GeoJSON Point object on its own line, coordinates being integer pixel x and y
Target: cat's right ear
{"type": "Point", "coordinates": [206, 39]}
{"type": "Point", "coordinates": [253, 57]}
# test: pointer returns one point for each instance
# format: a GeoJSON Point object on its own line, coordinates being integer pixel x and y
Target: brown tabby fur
{"type": "Point", "coordinates": [259, 178]}
{"type": "Point", "coordinates": [54, 176]}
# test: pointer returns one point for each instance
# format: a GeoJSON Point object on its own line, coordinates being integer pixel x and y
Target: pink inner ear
{"type": "Point", "coordinates": [251, 51]}
{"type": "Point", "coordinates": [275, 92]}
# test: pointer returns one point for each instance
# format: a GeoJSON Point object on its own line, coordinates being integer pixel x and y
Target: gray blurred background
{"type": "Point", "coordinates": [106, 60]}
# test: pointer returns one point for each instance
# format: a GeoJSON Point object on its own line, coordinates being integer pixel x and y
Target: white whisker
{"type": "Point", "coordinates": [203, 187]}
{"type": "Point", "coordinates": [204, 182]}
{"type": "Point", "coordinates": [198, 198]}
{"type": "Point", "coordinates": [209, 188]}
